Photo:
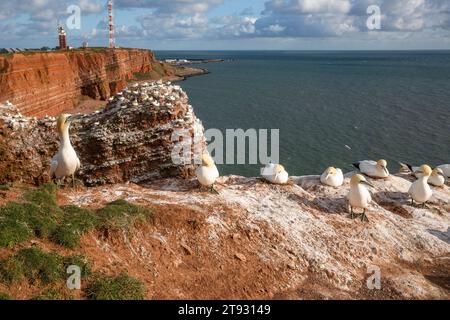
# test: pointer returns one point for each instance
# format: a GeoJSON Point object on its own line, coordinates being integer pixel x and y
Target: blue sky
{"type": "Point", "coordinates": [233, 24]}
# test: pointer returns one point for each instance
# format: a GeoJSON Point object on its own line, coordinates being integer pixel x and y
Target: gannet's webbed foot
{"type": "Point", "coordinates": [213, 190]}
{"type": "Point", "coordinates": [352, 214]}
{"type": "Point", "coordinates": [364, 217]}
{"type": "Point", "coordinates": [57, 182]}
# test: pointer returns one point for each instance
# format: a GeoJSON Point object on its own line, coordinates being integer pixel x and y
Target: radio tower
{"type": "Point", "coordinates": [111, 24]}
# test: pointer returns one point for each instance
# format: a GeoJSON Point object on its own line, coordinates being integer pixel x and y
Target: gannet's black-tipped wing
{"type": "Point", "coordinates": [357, 165]}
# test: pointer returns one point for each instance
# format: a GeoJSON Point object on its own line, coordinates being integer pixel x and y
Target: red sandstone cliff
{"type": "Point", "coordinates": [42, 84]}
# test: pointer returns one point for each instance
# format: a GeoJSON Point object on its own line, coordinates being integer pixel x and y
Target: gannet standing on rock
{"type": "Point", "coordinates": [359, 197]}
{"type": "Point", "coordinates": [65, 163]}
{"type": "Point", "coordinates": [207, 173]}
{"type": "Point", "coordinates": [275, 173]}
{"type": "Point", "coordinates": [332, 177]}
{"type": "Point", "coordinates": [373, 169]}
{"type": "Point", "coordinates": [420, 191]}
{"type": "Point", "coordinates": [436, 179]}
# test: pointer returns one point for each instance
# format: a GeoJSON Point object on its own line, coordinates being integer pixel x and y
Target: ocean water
{"type": "Point", "coordinates": [332, 108]}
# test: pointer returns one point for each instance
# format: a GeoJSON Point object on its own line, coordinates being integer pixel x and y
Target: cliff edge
{"type": "Point", "coordinates": [42, 84]}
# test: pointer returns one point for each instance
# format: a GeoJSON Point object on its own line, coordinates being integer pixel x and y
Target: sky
{"type": "Point", "coordinates": [231, 24]}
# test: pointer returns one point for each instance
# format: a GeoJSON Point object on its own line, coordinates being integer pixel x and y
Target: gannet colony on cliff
{"type": "Point", "coordinates": [166, 96]}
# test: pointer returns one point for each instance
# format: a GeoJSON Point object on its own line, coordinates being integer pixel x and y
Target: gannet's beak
{"type": "Point", "coordinates": [368, 183]}
{"type": "Point", "coordinates": [69, 119]}
{"type": "Point", "coordinates": [328, 176]}
{"type": "Point", "coordinates": [386, 170]}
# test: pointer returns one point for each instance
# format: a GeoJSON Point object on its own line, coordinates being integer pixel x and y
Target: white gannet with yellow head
{"type": "Point", "coordinates": [374, 169]}
{"type": "Point", "coordinates": [436, 179]}
{"type": "Point", "coordinates": [445, 169]}
{"type": "Point", "coordinates": [207, 173]}
{"type": "Point", "coordinates": [275, 173]}
{"type": "Point", "coordinates": [359, 197]}
{"type": "Point", "coordinates": [65, 163]}
{"type": "Point", "coordinates": [420, 191]}
{"type": "Point", "coordinates": [332, 177]}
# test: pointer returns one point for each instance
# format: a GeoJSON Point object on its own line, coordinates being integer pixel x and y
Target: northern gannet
{"type": "Point", "coordinates": [445, 169]}
{"type": "Point", "coordinates": [420, 191]}
{"type": "Point", "coordinates": [373, 169]}
{"type": "Point", "coordinates": [332, 177]}
{"type": "Point", "coordinates": [359, 197]}
{"type": "Point", "coordinates": [207, 173]}
{"type": "Point", "coordinates": [436, 179]}
{"type": "Point", "coordinates": [275, 173]}
{"type": "Point", "coordinates": [65, 163]}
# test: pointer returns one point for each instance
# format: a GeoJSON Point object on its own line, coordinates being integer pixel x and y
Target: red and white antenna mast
{"type": "Point", "coordinates": [111, 24]}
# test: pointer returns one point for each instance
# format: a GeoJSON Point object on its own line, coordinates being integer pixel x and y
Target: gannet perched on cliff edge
{"type": "Point", "coordinates": [207, 173]}
{"type": "Point", "coordinates": [275, 173]}
{"type": "Point", "coordinates": [373, 169]}
{"type": "Point", "coordinates": [359, 197]}
{"type": "Point", "coordinates": [332, 177]}
{"type": "Point", "coordinates": [420, 191]}
{"type": "Point", "coordinates": [445, 169]}
{"type": "Point", "coordinates": [65, 163]}
{"type": "Point", "coordinates": [436, 179]}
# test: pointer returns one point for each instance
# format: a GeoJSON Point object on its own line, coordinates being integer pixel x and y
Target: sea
{"type": "Point", "coordinates": [332, 108]}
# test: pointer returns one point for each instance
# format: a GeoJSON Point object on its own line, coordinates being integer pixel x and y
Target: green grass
{"type": "Point", "coordinates": [75, 223]}
{"type": "Point", "coordinates": [4, 296]}
{"type": "Point", "coordinates": [122, 287]}
{"type": "Point", "coordinates": [13, 232]}
{"type": "Point", "coordinates": [50, 294]}
{"type": "Point", "coordinates": [38, 212]}
{"type": "Point", "coordinates": [39, 267]}
{"type": "Point", "coordinates": [39, 215]}
{"type": "Point", "coordinates": [121, 215]}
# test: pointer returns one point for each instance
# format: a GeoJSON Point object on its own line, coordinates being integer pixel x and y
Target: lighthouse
{"type": "Point", "coordinates": [62, 38]}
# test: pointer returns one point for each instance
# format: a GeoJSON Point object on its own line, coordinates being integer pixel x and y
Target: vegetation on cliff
{"type": "Point", "coordinates": [37, 215]}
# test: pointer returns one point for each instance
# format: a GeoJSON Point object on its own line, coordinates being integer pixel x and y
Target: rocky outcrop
{"type": "Point", "coordinates": [254, 240]}
{"type": "Point", "coordinates": [130, 140]}
{"type": "Point", "coordinates": [42, 84]}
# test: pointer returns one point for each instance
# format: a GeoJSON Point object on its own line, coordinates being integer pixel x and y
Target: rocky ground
{"type": "Point", "coordinates": [259, 241]}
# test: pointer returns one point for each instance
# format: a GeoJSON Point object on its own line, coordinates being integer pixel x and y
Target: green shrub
{"type": "Point", "coordinates": [4, 187]}
{"type": "Point", "coordinates": [122, 287]}
{"type": "Point", "coordinates": [75, 223]}
{"type": "Point", "coordinates": [121, 215]}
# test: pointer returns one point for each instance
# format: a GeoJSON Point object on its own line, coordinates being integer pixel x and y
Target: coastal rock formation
{"type": "Point", "coordinates": [42, 84]}
{"type": "Point", "coordinates": [129, 140]}
{"type": "Point", "coordinates": [259, 241]}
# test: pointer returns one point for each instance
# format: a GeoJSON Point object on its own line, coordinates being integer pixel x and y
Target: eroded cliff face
{"type": "Point", "coordinates": [129, 140]}
{"type": "Point", "coordinates": [42, 84]}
